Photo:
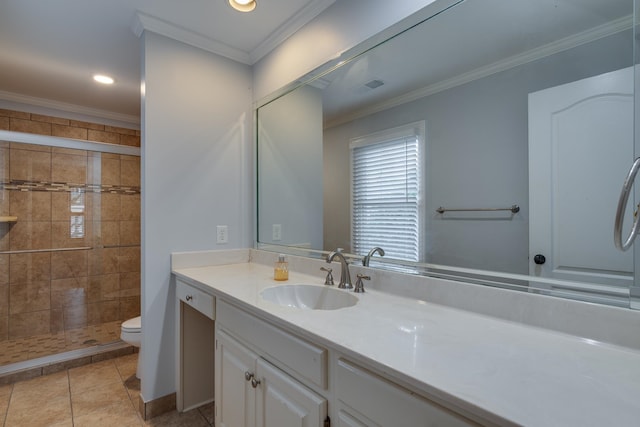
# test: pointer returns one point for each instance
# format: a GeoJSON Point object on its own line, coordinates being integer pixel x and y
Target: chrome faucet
{"type": "Point", "coordinates": [345, 277]}
{"type": "Point", "coordinates": [359, 285]}
{"type": "Point", "coordinates": [367, 257]}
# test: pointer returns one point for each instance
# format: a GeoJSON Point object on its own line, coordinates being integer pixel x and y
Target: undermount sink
{"type": "Point", "coordinates": [309, 297]}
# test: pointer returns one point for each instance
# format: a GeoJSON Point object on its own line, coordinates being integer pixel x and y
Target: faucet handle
{"type": "Point", "coordinates": [329, 280]}
{"type": "Point", "coordinates": [359, 285]}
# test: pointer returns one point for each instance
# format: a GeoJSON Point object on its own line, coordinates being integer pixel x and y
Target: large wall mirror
{"type": "Point", "coordinates": [489, 142]}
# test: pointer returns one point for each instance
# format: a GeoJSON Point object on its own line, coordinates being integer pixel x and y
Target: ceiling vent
{"type": "Point", "coordinates": [374, 84]}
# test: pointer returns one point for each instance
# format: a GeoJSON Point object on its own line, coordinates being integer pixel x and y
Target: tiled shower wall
{"type": "Point", "coordinates": [72, 259]}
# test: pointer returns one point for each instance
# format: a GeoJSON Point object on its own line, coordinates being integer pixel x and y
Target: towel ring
{"type": "Point", "coordinates": [622, 205]}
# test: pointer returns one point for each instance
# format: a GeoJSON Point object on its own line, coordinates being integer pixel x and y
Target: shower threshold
{"type": "Point", "coordinates": [20, 371]}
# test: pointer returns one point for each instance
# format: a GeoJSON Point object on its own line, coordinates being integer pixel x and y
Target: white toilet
{"type": "Point", "coordinates": [131, 333]}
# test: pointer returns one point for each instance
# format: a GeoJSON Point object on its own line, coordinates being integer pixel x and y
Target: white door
{"type": "Point", "coordinates": [234, 396]}
{"type": "Point", "coordinates": [284, 402]}
{"type": "Point", "coordinates": [580, 150]}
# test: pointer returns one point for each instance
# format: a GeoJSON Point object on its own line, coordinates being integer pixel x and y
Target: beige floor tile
{"type": "Point", "coordinates": [47, 387]}
{"type": "Point", "coordinates": [192, 418]}
{"type": "Point", "coordinates": [127, 365]}
{"type": "Point", "coordinates": [133, 388]}
{"type": "Point", "coordinates": [5, 395]}
{"type": "Point", "coordinates": [89, 376]}
{"type": "Point", "coordinates": [5, 390]}
{"type": "Point", "coordinates": [36, 413]}
{"type": "Point", "coordinates": [93, 395]}
{"type": "Point", "coordinates": [117, 415]}
{"type": "Point", "coordinates": [95, 399]}
{"type": "Point", "coordinates": [207, 412]}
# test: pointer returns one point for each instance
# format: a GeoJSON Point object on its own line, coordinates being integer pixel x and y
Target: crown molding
{"type": "Point", "coordinates": [49, 107]}
{"type": "Point", "coordinates": [557, 46]}
{"type": "Point", "coordinates": [143, 22]}
{"type": "Point", "coordinates": [293, 24]}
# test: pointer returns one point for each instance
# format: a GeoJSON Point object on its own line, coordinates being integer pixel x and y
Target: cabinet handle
{"type": "Point", "coordinates": [248, 375]}
{"type": "Point", "coordinates": [254, 382]}
{"type": "Point", "coordinates": [189, 298]}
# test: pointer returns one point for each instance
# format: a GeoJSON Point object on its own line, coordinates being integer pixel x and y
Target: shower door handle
{"type": "Point", "coordinates": [622, 206]}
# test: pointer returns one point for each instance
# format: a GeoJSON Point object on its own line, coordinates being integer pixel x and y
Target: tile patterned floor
{"type": "Point", "coordinates": [21, 349]}
{"type": "Point", "coordinates": [101, 394]}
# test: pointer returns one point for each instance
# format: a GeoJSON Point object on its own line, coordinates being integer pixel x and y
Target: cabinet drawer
{"type": "Point", "coordinates": [387, 404]}
{"type": "Point", "coordinates": [306, 360]}
{"type": "Point", "coordinates": [197, 299]}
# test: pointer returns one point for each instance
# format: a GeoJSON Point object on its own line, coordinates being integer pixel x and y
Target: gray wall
{"type": "Point", "coordinates": [476, 157]}
{"type": "Point", "coordinates": [196, 165]}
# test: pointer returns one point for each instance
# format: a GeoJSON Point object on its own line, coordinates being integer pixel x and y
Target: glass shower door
{"type": "Point", "coordinates": [69, 246]}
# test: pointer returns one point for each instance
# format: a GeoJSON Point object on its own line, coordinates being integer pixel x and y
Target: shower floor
{"type": "Point", "coordinates": [21, 349]}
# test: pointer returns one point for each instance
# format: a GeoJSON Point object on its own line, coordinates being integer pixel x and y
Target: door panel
{"type": "Point", "coordinates": [384, 403]}
{"type": "Point", "coordinates": [347, 418]}
{"type": "Point", "coordinates": [234, 397]}
{"type": "Point", "coordinates": [580, 148]}
{"type": "Point", "coordinates": [284, 402]}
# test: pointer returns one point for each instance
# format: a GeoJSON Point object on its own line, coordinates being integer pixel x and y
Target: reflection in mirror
{"type": "Point", "coordinates": [526, 104]}
{"type": "Point", "coordinates": [290, 170]}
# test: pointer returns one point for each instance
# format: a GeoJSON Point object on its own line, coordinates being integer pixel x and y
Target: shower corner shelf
{"type": "Point", "coordinates": [8, 219]}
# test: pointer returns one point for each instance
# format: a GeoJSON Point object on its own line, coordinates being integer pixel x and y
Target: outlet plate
{"type": "Point", "coordinates": [222, 234]}
{"type": "Point", "coordinates": [276, 231]}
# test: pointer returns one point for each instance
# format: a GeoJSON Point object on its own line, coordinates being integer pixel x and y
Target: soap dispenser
{"type": "Point", "coordinates": [281, 269]}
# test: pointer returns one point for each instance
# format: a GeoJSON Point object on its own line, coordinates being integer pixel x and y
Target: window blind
{"type": "Point", "coordinates": [385, 191]}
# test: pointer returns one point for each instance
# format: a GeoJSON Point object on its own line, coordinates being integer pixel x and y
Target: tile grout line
{"type": "Point", "coordinates": [6, 412]}
{"type": "Point", "coordinates": [70, 400]}
{"type": "Point", "coordinates": [123, 381]}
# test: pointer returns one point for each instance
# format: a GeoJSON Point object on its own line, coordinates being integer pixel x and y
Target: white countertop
{"type": "Point", "coordinates": [499, 371]}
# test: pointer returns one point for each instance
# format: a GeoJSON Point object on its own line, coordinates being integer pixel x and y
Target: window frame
{"type": "Point", "coordinates": [415, 130]}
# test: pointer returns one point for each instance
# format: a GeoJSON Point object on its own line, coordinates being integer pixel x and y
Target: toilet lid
{"type": "Point", "coordinates": [132, 325]}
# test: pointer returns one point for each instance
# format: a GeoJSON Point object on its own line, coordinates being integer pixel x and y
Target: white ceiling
{"type": "Point", "coordinates": [50, 49]}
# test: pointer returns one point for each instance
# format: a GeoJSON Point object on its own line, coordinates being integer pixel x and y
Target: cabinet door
{"type": "Point", "coordinates": [386, 404]}
{"type": "Point", "coordinates": [348, 418]}
{"type": "Point", "coordinates": [234, 396]}
{"type": "Point", "coordinates": [283, 402]}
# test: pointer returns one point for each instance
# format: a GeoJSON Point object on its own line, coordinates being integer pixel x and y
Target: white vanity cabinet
{"type": "Point", "coordinates": [195, 350]}
{"type": "Point", "coordinates": [359, 366]}
{"type": "Point", "coordinates": [251, 392]}
{"type": "Point", "coordinates": [234, 369]}
{"type": "Point", "coordinates": [366, 400]}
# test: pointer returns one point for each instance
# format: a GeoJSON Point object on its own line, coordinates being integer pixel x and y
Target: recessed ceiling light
{"type": "Point", "coordinates": [100, 78]}
{"type": "Point", "coordinates": [243, 5]}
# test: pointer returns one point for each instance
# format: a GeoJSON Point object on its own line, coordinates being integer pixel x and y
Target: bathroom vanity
{"type": "Point", "coordinates": [391, 360]}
